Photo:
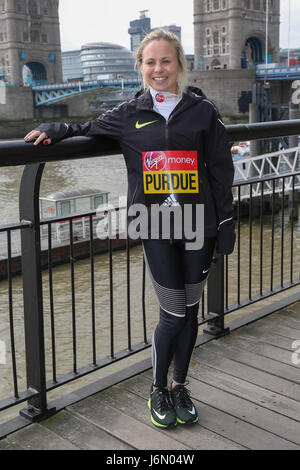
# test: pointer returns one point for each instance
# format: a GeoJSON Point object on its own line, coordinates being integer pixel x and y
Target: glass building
{"type": "Point", "coordinates": [71, 66]}
{"type": "Point", "coordinates": [102, 60]}
{"type": "Point", "coordinates": [139, 29]}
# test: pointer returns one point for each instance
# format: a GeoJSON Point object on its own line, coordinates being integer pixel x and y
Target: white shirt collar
{"type": "Point", "coordinates": [168, 96]}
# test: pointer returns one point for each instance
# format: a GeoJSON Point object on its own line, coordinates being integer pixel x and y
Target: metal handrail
{"type": "Point", "coordinates": [18, 152]}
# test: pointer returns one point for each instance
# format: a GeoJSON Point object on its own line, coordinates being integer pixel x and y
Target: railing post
{"type": "Point", "coordinates": [32, 293]}
{"type": "Point", "coordinates": [215, 299]}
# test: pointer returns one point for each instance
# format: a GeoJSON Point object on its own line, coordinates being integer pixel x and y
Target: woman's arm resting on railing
{"type": "Point", "coordinates": [110, 124]}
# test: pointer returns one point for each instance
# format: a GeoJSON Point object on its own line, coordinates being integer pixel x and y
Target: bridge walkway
{"type": "Point", "coordinates": [246, 387]}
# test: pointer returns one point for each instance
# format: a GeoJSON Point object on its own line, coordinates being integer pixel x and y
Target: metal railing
{"type": "Point", "coordinates": [225, 293]}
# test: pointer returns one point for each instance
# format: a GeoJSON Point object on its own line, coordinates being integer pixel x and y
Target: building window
{"type": "Point", "coordinates": [216, 4]}
{"type": "Point", "coordinates": [224, 4]}
{"type": "Point", "coordinates": [32, 7]}
{"type": "Point", "coordinates": [25, 36]}
{"type": "Point", "coordinates": [247, 4]}
{"type": "Point", "coordinates": [208, 32]}
{"type": "Point", "coordinates": [44, 38]}
{"type": "Point", "coordinates": [216, 37]}
{"type": "Point", "coordinates": [208, 5]}
{"type": "Point", "coordinates": [223, 30]}
{"type": "Point", "coordinates": [256, 4]}
{"type": "Point", "coordinates": [35, 36]}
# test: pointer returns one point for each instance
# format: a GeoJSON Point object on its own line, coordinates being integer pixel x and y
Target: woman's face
{"type": "Point", "coordinates": [160, 66]}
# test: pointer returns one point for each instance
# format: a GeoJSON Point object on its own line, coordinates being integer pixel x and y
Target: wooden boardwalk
{"type": "Point", "coordinates": [246, 387]}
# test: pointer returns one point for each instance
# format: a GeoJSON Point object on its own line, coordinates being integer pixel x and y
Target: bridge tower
{"type": "Point", "coordinates": [231, 34]}
{"type": "Point", "coordinates": [30, 51]}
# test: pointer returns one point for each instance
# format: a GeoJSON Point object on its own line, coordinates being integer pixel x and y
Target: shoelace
{"type": "Point", "coordinates": [163, 400]}
{"type": "Point", "coordinates": [183, 396]}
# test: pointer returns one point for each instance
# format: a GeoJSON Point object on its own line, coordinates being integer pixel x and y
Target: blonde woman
{"type": "Point", "coordinates": [177, 156]}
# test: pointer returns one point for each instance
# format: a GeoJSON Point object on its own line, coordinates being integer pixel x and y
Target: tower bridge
{"type": "Point", "coordinates": [46, 94]}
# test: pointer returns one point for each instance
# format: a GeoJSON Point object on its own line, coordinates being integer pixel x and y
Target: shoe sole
{"type": "Point", "coordinates": [158, 424]}
{"type": "Point", "coordinates": [188, 422]}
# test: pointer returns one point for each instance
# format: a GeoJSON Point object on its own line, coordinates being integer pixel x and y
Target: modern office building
{"type": "Point", "coordinates": [102, 60]}
{"type": "Point", "coordinates": [141, 27]}
{"type": "Point", "coordinates": [231, 34]}
{"type": "Point", "coordinates": [71, 66]}
{"type": "Point", "coordinates": [173, 29]}
{"type": "Point", "coordinates": [138, 30]}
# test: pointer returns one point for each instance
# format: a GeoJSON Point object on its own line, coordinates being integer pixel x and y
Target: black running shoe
{"type": "Point", "coordinates": [183, 405]}
{"type": "Point", "coordinates": [162, 411]}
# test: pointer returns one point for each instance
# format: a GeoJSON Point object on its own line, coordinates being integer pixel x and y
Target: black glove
{"type": "Point", "coordinates": [54, 130]}
{"type": "Point", "coordinates": [226, 238]}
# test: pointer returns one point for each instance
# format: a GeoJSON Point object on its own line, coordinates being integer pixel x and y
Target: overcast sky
{"type": "Point", "coordinates": [108, 21]}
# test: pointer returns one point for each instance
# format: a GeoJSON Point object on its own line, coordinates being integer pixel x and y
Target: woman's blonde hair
{"type": "Point", "coordinates": [162, 35]}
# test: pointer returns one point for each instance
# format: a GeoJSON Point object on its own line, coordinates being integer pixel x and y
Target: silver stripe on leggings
{"type": "Point", "coordinates": [171, 300]}
{"type": "Point", "coordinates": [194, 293]}
{"type": "Point", "coordinates": [154, 357]}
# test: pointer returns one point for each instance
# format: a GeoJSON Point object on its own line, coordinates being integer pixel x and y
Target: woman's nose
{"type": "Point", "coordinates": [158, 67]}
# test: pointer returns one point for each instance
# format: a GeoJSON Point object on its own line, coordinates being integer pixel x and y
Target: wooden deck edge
{"type": "Point", "coordinates": [61, 403]}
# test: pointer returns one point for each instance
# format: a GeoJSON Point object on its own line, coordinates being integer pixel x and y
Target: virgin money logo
{"type": "Point", "coordinates": [155, 161]}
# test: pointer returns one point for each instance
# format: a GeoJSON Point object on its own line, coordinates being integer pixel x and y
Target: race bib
{"type": "Point", "coordinates": [169, 171]}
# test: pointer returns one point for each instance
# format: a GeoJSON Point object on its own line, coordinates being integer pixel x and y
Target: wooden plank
{"type": "Point", "coordinates": [195, 435]}
{"type": "Point", "coordinates": [266, 336]}
{"type": "Point", "coordinates": [281, 320]}
{"type": "Point", "coordinates": [234, 351]}
{"type": "Point", "coordinates": [266, 350]}
{"type": "Point", "coordinates": [275, 328]}
{"type": "Point", "coordinates": [124, 427]}
{"type": "Point", "coordinates": [254, 414]}
{"type": "Point", "coordinates": [82, 433]}
{"type": "Point", "coordinates": [262, 378]}
{"type": "Point", "coordinates": [246, 390]}
{"type": "Point", "coordinates": [37, 437]}
{"type": "Point", "coordinates": [222, 423]}
{"type": "Point", "coordinates": [5, 444]}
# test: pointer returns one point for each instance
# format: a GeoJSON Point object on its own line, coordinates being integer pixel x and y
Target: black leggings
{"type": "Point", "coordinates": [178, 276]}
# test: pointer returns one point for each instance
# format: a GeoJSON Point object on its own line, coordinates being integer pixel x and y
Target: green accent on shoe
{"type": "Point", "coordinates": [179, 421]}
{"type": "Point", "coordinates": [157, 424]}
{"type": "Point", "coordinates": [162, 411]}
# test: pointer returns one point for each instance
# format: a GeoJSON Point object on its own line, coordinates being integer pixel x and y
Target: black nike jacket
{"type": "Point", "coordinates": [149, 143]}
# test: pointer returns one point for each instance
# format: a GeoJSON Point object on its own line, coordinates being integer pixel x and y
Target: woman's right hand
{"type": "Point", "coordinates": [38, 136]}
